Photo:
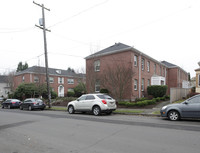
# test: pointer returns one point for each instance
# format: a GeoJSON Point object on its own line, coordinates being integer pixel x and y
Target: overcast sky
{"type": "Point", "coordinates": [163, 29]}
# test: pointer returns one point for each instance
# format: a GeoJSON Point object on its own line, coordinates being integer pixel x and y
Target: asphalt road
{"type": "Point", "coordinates": [60, 132]}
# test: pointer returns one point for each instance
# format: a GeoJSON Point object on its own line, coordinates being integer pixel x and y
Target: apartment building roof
{"type": "Point", "coordinates": [3, 78]}
{"type": "Point", "coordinates": [120, 47]}
{"type": "Point", "coordinates": [52, 71]}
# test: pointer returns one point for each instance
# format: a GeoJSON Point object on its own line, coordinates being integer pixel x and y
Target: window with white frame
{"type": "Point", "coordinates": [160, 70]}
{"type": "Point", "coordinates": [135, 60]}
{"type": "Point", "coordinates": [97, 86]}
{"type": "Point", "coordinates": [148, 66]}
{"type": "Point", "coordinates": [23, 78]}
{"type": "Point", "coordinates": [70, 81]}
{"type": "Point", "coordinates": [97, 65]}
{"type": "Point", "coordinates": [142, 64]}
{"type": "Point", "coordinates": [148, 84]}
{"type": "Point", "coordinates": [135, 84]}
{"type": "Point", "coordinates": [60, 80]}
{"type": "Point", "coordinates": [36, 79]}
{"type": "Point", "coordinates": [51, 79]}
{"type": "Point", "coordinates": [154, 68]}
{"type": "Point", "coordinates": [142, 85]}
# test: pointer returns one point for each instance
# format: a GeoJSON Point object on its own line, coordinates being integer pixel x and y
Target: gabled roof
{"type": "Point", "coordinates": [52, 71]}
{"type": "Point", "coordinates": [114, 48]}
{"type": "Point", "coordinates": [169, 65]}
{"type": "Point", "coordinates": [3, 79]}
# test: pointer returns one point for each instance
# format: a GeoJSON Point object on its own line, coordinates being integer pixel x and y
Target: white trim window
{"type": "Point", "coordinates": [148, 66]}
{"type": "Point", "coordinates": [51, 79]}
{"type": "Point", "coordinates": [135, 84]}
{"type": "Point", "coordinates": [142, 85]}
{"type": "Point", "coordinates": [135, 60]}
{"type": "Point", "coordinates": [60, 80]}
{"type": "Point", "coordinates": [70, 81]}
{"type": "Point", "coordinates": [142, 64]}
{"type": "Point", "coordinates": [154, 68]}
{"type": "Point", "coordinates": [36, 79]}
{"type": "Point", "coordinates": [97, 86]}
{"type": "Point", "coordinates": [23, 78]}
{"type": "Point", "coordinates": [97, 65]}
{"type": "Point", "coordinates": [148, 84]}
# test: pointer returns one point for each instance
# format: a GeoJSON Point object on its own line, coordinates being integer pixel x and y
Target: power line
{"type": "Point", "coordinates": [16, 30]}
{"type": "Point", "coordinates": [79, 13]}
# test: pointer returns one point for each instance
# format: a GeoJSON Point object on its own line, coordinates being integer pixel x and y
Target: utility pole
{"type": "Point", "coordinates": [42, 26]}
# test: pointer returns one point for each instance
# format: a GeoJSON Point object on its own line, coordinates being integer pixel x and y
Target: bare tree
{"type": "Point", "coordinates": [117, 78]}
{"type": "Point", "coordinates": [10, 80]}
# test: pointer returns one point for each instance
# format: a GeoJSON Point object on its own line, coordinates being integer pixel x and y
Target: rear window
{"type": "Point", "coordinates": [104, 97]}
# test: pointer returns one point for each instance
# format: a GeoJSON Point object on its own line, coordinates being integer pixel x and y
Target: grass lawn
{"type": "Point", "coordinates": [129, 111]}
{"type": "Point", "coordinates": [57, 108]}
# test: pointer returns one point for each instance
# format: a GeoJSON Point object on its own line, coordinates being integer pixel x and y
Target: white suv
{"type": "Point", "coordinates": [95, 103]}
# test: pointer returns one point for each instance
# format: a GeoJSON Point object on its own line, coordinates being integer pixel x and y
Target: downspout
{"type": "Point", "coordinates": [139, 80]}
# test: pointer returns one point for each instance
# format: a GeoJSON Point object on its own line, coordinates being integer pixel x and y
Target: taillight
{"type": "Point", "coordinates": [13, 102]}
{"type": "Point", "coordinates": [34, 103]}
{"type": "Point", "coordinates": [104, 101]}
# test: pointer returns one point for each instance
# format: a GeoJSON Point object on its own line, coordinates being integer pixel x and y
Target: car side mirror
{"type": "Point", "coordinates": [186, 102]}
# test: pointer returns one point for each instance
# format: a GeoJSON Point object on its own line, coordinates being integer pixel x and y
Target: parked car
{"type": "Point", "coordinates": [32, 103]}
{"type": "Point", "coordinates": [11, 103]}
{"type": "Point", "coordinates": [190, 108]}
{"type": "Point", "coordinates": [1, 99]}
{"type": "Point", "coordinates": [95, 103]}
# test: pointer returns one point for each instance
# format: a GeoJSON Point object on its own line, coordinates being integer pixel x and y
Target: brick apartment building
{"type": "Point", "coordinates": [144, 69]}
{"type": "Point", "coordinates": [61, 81]}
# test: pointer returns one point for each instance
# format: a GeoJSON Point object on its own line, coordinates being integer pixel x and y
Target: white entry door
{"type": "Point", "coordinates": [61, 91]}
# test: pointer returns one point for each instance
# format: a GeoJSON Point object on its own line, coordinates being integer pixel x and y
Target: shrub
{"type": "Point", "coordinates": [157, 90]}
{"type": "Point", "coordinates": [104, 91]}
{"type": "Point", "coordinates": [140, 99]}
{"type": "Point", "coordinates": [142, 103]}
{"type": "Point", "coordinates": [70, 94]}
{"type": "Point", "coordinates": [79, 89]}
{"type": "Point", "coordinates": [157, 99]}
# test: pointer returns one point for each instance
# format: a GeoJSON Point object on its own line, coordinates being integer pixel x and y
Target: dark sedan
{"type": "Point", "coordinates": [190, 108]}
{"type": "Point", "coordinates": [11, 103]}
{"type": "Point", "coordinates": [32, 103]}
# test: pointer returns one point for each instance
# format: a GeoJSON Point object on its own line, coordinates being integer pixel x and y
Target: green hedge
{"type": "Point", "coordinates": [139, 103]}
{"type": "Point", "coordinates": [143, 103]}
{"type": "Point", "coordinates": [157, 91]}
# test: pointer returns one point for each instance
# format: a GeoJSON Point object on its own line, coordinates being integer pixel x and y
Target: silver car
{"type": "Point", "coordinates": [95, 103]}
{"type": "Point", "coordinates": [190, 108]}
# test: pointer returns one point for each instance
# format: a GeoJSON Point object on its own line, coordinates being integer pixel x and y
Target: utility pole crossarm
{"type": "Point", "coordinates": [41, 6]}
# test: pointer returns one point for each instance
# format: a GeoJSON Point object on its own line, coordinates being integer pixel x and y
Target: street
{"type": "Point", "coordinates": [60, 132]}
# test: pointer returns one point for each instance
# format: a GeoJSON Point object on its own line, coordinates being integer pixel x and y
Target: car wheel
{"type": "Point", "coordinates": [71, 110]}
{"type": "Point", "coordinates": [29, 108]}
{"type": "Point", "coordinates": [96, 110]}
{"type": "Point", "coordinates": [173, 115]}
{"type": "Point", "coordinates": [20, 107]}
{"type": "Point", "coordinates": [2, 106]}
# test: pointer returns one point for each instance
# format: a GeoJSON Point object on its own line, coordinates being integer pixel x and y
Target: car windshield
{"type": "Point", "coordinates": [104, 97]}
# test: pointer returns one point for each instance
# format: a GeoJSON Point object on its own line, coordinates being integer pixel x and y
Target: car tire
{"type": "Point", "coordinates": [71, 109]}
{"type": "Point", "coordinates": [96, 110]}
{"type": "Point", "coordinates": [174, 115]}
{"type": "Point", "coordinates": [2, 106]}
{"type": "Point", "coordinates": [30, 108]}
{"type": "Point", "coordinates": [20, 107]}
